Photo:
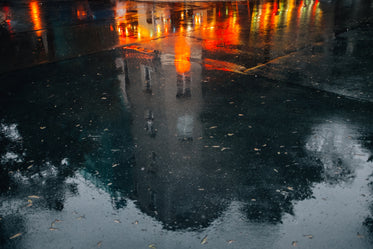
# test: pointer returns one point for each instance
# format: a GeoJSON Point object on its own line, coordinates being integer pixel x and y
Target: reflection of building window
{"type": "Point", "coordinates": [149, 123]}
{"type": "Point", "coordinates": [146, 78]}
{"type": "Point", "coordinates": [183, 86]}
{"type": "Point", "coordinates": [152, 202]}
{"type": "Point", "coordinates": [185, 127]}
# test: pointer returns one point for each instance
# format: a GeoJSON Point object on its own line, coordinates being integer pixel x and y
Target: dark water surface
{"type": "Point", "coordinates": [244, 124]}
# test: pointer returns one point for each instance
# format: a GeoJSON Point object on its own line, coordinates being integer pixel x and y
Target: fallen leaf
{"type": "Point", "coordinates": [290, 188]}
{"type": "Point", "coordinates": [240, 115]}
{"type": "Point", "coordinates": [54, 222]}
{"type": "Point", "coordinates": [34, 197]}
{"type": "Point", "coordinates": [213, 127]}
{"type": "Point", "coordinates": [152, 246]}
{"type": "Point", "coordinates": [109, 184]}
{"type": "Point", "coordinates": [230, 134]}
{"type": "Point", "coordinates": [275, 170]}
{"type": "Point", "coordinates": [225, 148]}
{"type": "Point", "coordinates": [115, 165]}
{"type": "Point", "coordinates": [42, 127]}
{"type": "Point", "coordinates": [204, 240]}
{"type": "Point", "coordinates": [103, 98]}
{"type": "Point", "coordinates": [99, 244]}
{"type": "Point", "coordinates": [308, 236]}
{"type": "Point", "coordinates": [230, 241]}
{"type": "Point", "coordinates": [53, 229]}
{"type": "Point", "coordinates": [117, 221]}
{"type": "Point", "coordinates": [29, 167]}
{"type": "Point", "coordinates": [294, 243]}
{"type": "Point", "coordinates": [15, 236]}
{"type": "Point", "coordinates": [215, 146]}
{"type": "Point", "coordinates": [256, 149]}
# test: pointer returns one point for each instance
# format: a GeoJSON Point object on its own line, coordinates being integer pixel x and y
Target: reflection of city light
{"type": "Point", "coordinates": [35, 15]}
{"type": "Point", "coordinates": [182, 55]}
{"type": "Point", "coordinates": [7, 17]}
{"type": "Point", "coordinates": [81, 14]}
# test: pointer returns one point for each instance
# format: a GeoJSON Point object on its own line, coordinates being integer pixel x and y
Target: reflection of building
{"type": "Point", "coordinates": [165, 100]}
{"type": "Point", "coordinates": [173, 158]}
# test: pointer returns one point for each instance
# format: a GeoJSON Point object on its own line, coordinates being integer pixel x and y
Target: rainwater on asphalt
{"type": "Point", "coordinates": [164, 125]}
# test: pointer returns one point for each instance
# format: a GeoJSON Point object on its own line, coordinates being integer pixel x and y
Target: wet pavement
{"type": "Point", "coordinates": [130, 124]}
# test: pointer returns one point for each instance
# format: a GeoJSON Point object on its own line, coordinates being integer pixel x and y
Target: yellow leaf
{"type": "Point", "coordinates": [15, 236]}
{"type": "Point", "coordinates": [34, 197]}
{"type": "Point", "coordinates": [360, 236]}
{"type": "Point", "coordinates": [204, 240]}
{"type": "Point", "coordinates": [213, 127]}
{"type": "Point", "coordinates": [42, 127]}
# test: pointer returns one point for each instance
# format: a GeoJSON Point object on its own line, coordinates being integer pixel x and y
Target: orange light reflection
{"type": "Point", "coordinates": [182, 55]}
{"type": "Point", "coordinates": [35, 15]}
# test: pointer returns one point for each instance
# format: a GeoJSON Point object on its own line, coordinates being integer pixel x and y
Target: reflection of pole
{"type": "Point", "coordinates": [183, 86]}
{"type": "Point", "coordinates": [122, 76]}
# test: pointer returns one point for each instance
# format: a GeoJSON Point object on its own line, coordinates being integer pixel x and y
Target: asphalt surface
{"type": "Point", "coordinates": [133, 124]}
